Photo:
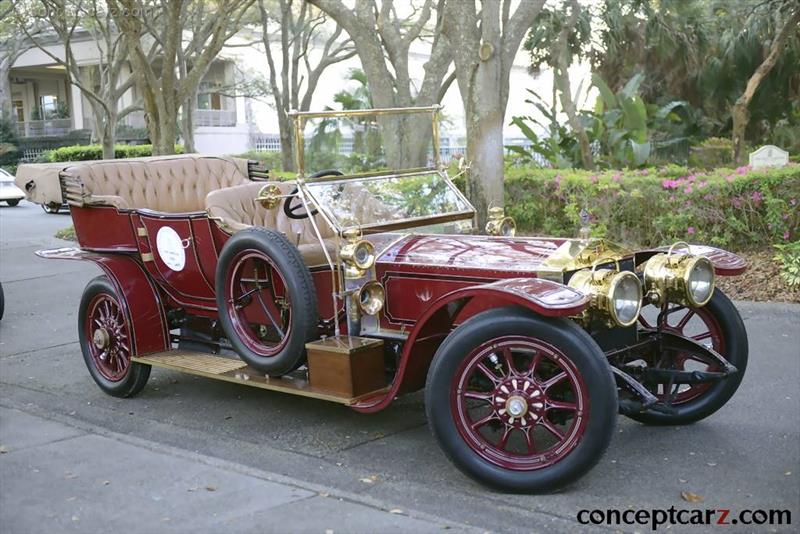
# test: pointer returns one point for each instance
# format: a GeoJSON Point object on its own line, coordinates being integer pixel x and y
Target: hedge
{"type": "Point", "coordinates": [734, 208]}
{"type": "Point", "coordinates": [90, 152]}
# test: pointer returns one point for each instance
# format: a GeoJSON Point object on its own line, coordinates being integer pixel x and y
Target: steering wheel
{"type": "Point", "coordinates": [290, 210]}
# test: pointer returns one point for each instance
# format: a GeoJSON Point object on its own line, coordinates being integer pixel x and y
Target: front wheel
{"type": "Point", "coordinates": [104, 334]}
{"type": "Point", "coordinates": [520, 402]}
{"type": "Point", "coordinates": [12, 202]}
{"type": "Point", "coordinates": [719, 326]}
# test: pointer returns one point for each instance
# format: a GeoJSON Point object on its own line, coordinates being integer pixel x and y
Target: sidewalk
{"type": "Point", "coordinates": [55, 477]}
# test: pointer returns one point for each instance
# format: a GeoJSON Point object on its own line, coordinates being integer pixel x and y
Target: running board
{"type": "Point", "coordinates": [238, 372]}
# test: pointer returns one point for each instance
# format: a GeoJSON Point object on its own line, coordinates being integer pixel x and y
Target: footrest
{"type": "Point", "coordinates": [238, 372]}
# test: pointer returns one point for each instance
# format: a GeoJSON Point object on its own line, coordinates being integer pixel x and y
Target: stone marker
{"type": "Point", "coordinates": [769, 156]}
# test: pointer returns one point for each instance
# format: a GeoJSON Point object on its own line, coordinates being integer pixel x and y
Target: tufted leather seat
{"type": "Point", "coordinates": [172, 184]}
{"type": "Point", "coordinates": [236, 209]}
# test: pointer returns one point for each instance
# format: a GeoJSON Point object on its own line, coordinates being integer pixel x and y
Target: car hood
{"type": "Point", "coordinates": [517, 254]}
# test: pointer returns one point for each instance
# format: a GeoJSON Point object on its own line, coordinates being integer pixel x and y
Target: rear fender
{"type": "Point", "coordinates": [543, 297]}
{"type": "Point", "coordinates": [138, 295]}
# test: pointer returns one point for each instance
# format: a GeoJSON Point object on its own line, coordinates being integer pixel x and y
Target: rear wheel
{"type": "Point", "coordinates": [520, 402]}
{"type": "Point", "coordinates": [12, 202]}
{"type": "Point", "coordinates": [717, 325]}
{"type": "Point", "coordinates": [104, 334]}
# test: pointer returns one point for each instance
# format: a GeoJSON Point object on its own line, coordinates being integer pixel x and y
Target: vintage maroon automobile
{"type": "Point", "coordinates": [356, 289]}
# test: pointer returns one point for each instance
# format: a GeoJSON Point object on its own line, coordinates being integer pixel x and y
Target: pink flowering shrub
{"type": "Point", "coordinates": [734, 208]}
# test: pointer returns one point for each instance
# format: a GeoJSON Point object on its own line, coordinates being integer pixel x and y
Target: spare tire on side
{"type": "Point", "coordinates": [266, 300]}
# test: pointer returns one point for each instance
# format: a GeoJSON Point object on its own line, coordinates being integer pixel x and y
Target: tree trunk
{"type": "Point", "coordinates": [485, 152]}
{"type": "Point", "coordinates": [741, 113]}
{"type": "Point", "coordinates": [109, 141]}
{"type": "Point", "coordinates": [5, 94]}
{"type": "Point", "coordinates": [187, 125]}
{"type": "Point", "coordinates": [286, 133]}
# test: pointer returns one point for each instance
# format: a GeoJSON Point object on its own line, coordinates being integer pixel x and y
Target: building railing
{"type": "Point", "coordinates": [44, 128]}
{"type": "Point", "coordinates": [214, 117]}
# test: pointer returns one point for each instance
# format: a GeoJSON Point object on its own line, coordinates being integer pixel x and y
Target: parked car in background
{"type": "Point", "coordinates": [40, 184]}
{"type": "Point", "coordinates": [9, 192]}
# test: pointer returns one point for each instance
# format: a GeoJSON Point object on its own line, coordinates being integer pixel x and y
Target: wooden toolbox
{"type": "Point", "coordinates": [346, 365]}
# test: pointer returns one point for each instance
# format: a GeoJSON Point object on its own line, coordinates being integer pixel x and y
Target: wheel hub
{"type": "Point", "coordinates": [101, 338]}
{"type": "Point", "coordinates": [519, 402]}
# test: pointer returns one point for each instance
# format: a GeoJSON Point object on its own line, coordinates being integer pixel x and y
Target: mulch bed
{"type": "Point", "coordinates": [761, 281]}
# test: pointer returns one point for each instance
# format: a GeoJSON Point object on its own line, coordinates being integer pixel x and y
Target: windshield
{"type": "Point", "coordinates": [391, 202]}
{"type": "Point", "coordinates": [367, 141]}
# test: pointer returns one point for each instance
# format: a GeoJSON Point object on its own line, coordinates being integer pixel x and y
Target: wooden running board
{"type": "Point", "coordinates": [238, 372]}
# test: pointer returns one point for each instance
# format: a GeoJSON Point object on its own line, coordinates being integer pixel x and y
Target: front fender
{"type": "Point", "coordinates": [543, 297]}
{"type": "Point", "coordinates": [725, 263]}
{"type": "Point", "coordinates": [140, 297]}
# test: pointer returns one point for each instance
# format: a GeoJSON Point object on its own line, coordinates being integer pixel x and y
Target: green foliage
{"type": "Point", "coordinates": [9, 150]}
{"type": "Point", "coordinates": [713, 152]}
{"type": "Point", "coordinates": [621, 128]}
{"type": "Point", "coordinates": [734, 208]}
{"type": "Point", "coordinates": [788, 256]}
{"type": "Point", "coordinates": [704, 52]}
{"type": "Point", "coordinates": [270, 160]}
{"type": "Point", "coordinates": [67, 234]}
{"type": "Point", "coordinates": [93, 152]}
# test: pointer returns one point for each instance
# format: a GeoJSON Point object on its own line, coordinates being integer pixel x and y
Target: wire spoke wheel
{"type": "Point", "coordinates": [519, 403]}
{"type": "Point", "coordinates": [109, 336]}
{"type": "Point", "coordinates": [258, 303]}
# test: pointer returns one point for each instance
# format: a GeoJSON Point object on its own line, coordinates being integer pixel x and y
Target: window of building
{"type": "Point", "coordinates": [19, 110]}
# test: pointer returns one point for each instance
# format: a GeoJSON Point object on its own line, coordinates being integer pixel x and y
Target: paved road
{"type": "Point", "coordinates": [747, 456]}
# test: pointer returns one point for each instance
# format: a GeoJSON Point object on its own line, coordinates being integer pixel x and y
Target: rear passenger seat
{"type": "Point", "coordinates": [170, 184]}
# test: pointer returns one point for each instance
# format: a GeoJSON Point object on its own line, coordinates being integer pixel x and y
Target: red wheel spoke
{"type": "Point", "coordinates": [509, 358]}
{"type": "Point", "coordinates": [534, 362]}
{"type": "Point", "coordinates": [684, 320]}
{"type": "Point", "coordinates": [479, 423]}
{"type": "Point", "coordinates": [559, 405]}
{"type": "Point", "coordinates": [489, 374]}
{"type": "Point", "coordinates": [701, 337]}
{"type": "Point", "coordinates": [504, 438]}
{"type": "Point", "coordinates": [551, 428]}
{"type": "Point", "coordinates": [644, 322]}
{"type": "Point", "coordinates": [547, 384]}
{"type": "Point", "coordinates": [478, 396]}
{"type": "Point", "coordinates": [529, 440]}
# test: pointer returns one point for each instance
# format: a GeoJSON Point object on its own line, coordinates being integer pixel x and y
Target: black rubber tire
{"type": "Point", "coordinates": [736, 352]}
{"type": "Point", "coordinates": [295, 273]}
{"type": "Point", "coordinates": [51, 208]}
{"type": "Point", "coordinates": [138, 373]}
{"type": "Point", "coordinates": [573, 342]}
{"type": "Point", "coordinates": [13, 202]}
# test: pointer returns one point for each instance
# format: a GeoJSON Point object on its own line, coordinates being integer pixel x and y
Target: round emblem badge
{"type": "Point", "coordinates": [170, 248]}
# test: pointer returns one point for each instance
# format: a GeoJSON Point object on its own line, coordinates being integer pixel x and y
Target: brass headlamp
{"type": "Point", "coordinates": [500, 225]}
{"type": "Point", "coordinates": [371, 297]}
{"type": "Point", "coordinates": [615, 296]}
{"type": "Point", "coordinates": [681, 278]}
{"type": "Point", "coordinates": [357, 254]}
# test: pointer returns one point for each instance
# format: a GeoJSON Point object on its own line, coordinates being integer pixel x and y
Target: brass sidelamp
{"type": "Point", "coordinates": [500, 225]}
{"type": "Point", "coordinates": [682, 278]}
